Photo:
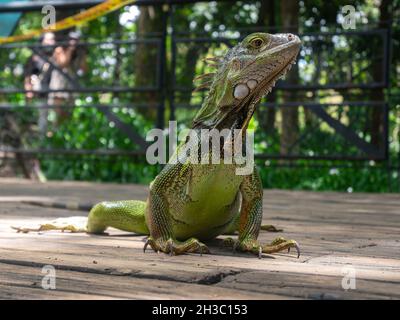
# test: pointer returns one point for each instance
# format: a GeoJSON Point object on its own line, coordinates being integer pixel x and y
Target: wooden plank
{"type": "Point", "coordinates": [334, 230]}
{"type": "Point", "coordinates": [300, 286]}
{"type": "Point", "coordinates": [17, 282]}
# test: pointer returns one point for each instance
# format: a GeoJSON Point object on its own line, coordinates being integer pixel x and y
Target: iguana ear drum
{"type": "Point", "coordinates": [241, 91]}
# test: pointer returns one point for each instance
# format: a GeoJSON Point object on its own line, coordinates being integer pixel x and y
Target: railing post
{"type": "Point", "coordinates": [172, 75]}
{"type": "Point", "coordinates": [162, 74]}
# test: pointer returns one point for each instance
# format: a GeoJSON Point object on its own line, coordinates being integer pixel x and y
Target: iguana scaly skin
{"type": "Point", "coordinates": [189, 202]}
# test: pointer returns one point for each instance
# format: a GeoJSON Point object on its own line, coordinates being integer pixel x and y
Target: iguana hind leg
{"type": "Point", "coordinates": [72, 224]}
{"type": "Point", "coordinates": [233, 227]}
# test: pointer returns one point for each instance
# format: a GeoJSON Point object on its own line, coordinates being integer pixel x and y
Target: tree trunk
{"type": "Point", "coordinates": [290, 116]}
{"type": "Point", "coordinates": [266, 18]}
{"type": "Point", "coordinates": [377, 94]}
{"type": "Point", "coordinates": [188, 70]}
{"type": "Point", "coordinates": [149, 23]}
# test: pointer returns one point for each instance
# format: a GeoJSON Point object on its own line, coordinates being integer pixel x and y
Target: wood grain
{"type": "Point", "coordinates": [334, 230]}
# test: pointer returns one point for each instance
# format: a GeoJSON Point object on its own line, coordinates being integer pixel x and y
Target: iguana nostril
{"type": "Point", "coordinates": [241, 91]}
{"type": "Point", "coordinates": [290, 37]}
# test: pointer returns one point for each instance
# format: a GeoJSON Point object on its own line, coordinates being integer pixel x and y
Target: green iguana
{"type": "Point", "coordinates": [190, 202]}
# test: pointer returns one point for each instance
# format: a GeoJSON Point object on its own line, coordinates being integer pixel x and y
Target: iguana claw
{"type": "Point", "coordinates": [297, 249]}
{"type": "Point", "coordinates": [146, 244]}
{"type": "Point", "coordinates": [277, 245]}
{"type": "Point", "coordinates": [174, 247]}
{"type": "Point", "coordinates": [280, 244]}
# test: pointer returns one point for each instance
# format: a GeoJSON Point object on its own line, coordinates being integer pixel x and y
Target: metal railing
{"type": "Point", "coordinates": [168, 89]}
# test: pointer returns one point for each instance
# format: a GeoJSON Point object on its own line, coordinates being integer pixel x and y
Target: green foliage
{"type": "Point", "coordinates": [327, 177]}
{"type": "Point", "coordinates": [88, 129]}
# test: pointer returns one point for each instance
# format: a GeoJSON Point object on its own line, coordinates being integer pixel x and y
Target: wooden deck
{"type": "Point", "coordinates": [334, 230]}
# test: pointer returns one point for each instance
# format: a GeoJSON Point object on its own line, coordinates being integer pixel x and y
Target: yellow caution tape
{"type": "Point", "coordinates": [69, 22]}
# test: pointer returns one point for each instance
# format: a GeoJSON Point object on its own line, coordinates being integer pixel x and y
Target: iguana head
{"type": "Point", "coordinates": [244, 75]}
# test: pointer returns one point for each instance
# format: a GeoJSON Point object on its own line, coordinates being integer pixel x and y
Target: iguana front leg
{"type": "Point", "coordinates": [169, 185]}
{"type": "Point", "coordinates": [250, 220]}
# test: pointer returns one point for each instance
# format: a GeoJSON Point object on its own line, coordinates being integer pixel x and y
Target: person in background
{"type": "Point", "coordinates": [37, 74]}
{"type": "Point", "coordinates": [36, 82]}
{"type": "Point", "coordinates": [41, 75]}
{"type": "Point", "coordinates": [71, 60]}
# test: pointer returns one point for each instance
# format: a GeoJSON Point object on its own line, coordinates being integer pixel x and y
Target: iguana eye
{"type": "Point", "coordinates": [256, 43]}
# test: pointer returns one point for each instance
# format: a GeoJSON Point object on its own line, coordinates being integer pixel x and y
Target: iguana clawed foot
{"type": "Point", "coordinates": [72, 224]}
{"type": "Point", "coordinates": [279, 244]}
{"type": "Point", "coordinates": [174, 247]}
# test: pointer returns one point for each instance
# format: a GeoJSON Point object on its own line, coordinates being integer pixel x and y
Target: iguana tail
{"type": "Point", "coordinates": [126, 215]}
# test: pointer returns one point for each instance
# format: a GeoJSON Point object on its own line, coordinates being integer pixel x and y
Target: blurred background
{"type": "Point", "coordinates": [76, 105]}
